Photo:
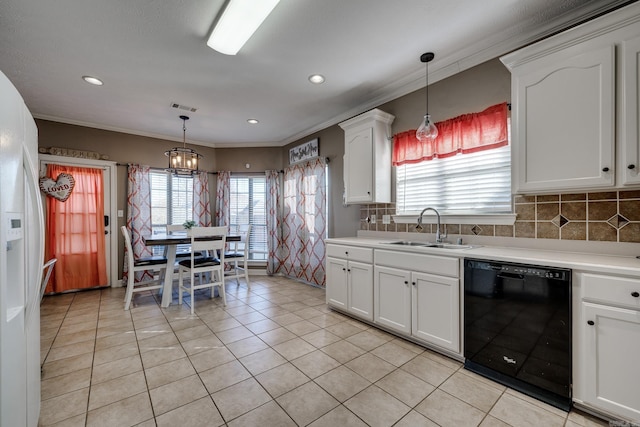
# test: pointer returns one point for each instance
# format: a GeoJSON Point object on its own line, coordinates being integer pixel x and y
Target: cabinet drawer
{"type": "Point", "coordinates": [434, 264]}
{"type": "Point", "coordinates": [352, 253]}
{"type": "Point", "coordinates": [612, 289]}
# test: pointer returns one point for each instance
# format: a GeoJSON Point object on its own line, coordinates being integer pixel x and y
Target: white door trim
{"type": "Point", "coordinates": [112, 268]}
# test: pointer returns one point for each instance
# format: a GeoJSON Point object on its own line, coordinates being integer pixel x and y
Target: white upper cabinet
{"type": "Point", "coordinates": [630, 135]}
{"type": "Point", "coordinates": [575, 107]}
{"type": "Point", "coordinates": [367, 157]}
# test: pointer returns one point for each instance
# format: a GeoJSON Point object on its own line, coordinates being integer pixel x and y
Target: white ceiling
{"type": "Point", "coordinates": [151, 53]}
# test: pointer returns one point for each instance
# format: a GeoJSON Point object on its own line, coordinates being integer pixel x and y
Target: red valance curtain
{"type": "Point", "coordinates": [468, 133]}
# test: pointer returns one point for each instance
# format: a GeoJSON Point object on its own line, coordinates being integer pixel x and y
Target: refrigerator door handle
{"type": "Point", "coordinates": [37, 206]}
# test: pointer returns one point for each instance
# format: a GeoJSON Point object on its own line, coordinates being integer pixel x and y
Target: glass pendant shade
{"type": "Point", "coordinates": [427, 130]}
{"type": "Point", "coordinates": [182, 160]}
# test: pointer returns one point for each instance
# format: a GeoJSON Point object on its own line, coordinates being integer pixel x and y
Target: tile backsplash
{"type": "Point", "coordinates": [611, 216]}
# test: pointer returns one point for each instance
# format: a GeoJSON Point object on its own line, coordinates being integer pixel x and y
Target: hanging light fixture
{"type": "Point", "coordinates": [427, 130]}
{"type": "Point", "coordinates": [183, 160]}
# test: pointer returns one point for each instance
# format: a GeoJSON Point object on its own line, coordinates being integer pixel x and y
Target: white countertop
{"type": "Point", "coordinates": [612, 264]}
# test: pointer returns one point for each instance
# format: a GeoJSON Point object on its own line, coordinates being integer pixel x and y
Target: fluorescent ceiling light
{"type": "Point", "coordinates": [240, 19]}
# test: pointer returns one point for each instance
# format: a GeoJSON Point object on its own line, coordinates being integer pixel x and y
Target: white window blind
{"type": "Point", "coordinates": [463, 184]}
{"type": "Point", "coordinates": [171, 203]}
{"type": "Point", "coordinates": [248, 206]}
{"type": "Point", "coordinates": [171, 199]}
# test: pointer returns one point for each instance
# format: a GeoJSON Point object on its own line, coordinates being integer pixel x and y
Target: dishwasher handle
{"type": "Point", "coordinates": [504, 275]}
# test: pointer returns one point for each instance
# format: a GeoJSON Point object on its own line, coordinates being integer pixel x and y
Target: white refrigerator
{"type": "Point", "coordinates": [21, 260]}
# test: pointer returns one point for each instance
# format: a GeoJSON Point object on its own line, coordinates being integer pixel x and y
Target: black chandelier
{"type": "Point", "coordinates": [182, 160]}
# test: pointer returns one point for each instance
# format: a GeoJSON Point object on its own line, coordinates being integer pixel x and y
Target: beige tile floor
{"type": "Point", "coordinates": [275, 356]}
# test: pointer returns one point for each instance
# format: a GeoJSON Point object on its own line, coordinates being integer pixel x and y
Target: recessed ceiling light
{"type": "Point", "coordinates": [316, 79]}
{"type": "Point", "coordinates": [92, 80]}
{"type": "Point", "coordinates": [252, 121]}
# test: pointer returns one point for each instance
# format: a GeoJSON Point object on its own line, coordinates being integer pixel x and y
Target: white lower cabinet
{"type": "Point", "coordinates": [349, 280]}
{"type": "Point", "coordinates": [434, 310]}
{"type": "Point", "coordinates": [392, 296]}
{"type": "Point", "coordinates": [609, 334]}
{"type": "Point", "coordinates": [423, 305]}
{"type": "Point", "coordinates": [612, 346]}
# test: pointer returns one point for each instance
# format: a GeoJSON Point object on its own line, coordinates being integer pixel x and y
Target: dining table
{"type": "Point", "coordinates": [171, 242]}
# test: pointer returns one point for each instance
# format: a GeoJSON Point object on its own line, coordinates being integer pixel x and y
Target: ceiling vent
{"type": "Point", "coordinates": [183, 107]}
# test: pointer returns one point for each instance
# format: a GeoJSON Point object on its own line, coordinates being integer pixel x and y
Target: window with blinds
{"type": "Point", "coordinates": [463, 184]}
{"type": "Point", "coordinates": [171, 199]}
{"type": "Point", "coordinates": [171, 203]}
{"type": "Point", "coordinates": [248, 206]}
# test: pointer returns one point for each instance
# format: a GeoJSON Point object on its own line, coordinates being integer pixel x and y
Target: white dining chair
{"type": "Point", "coordinates": [47, 269]}
{"type": "Point", "coordinates": [202, 239]}
{"type": "Point", "coordinates": [238, 256]}
{"type": "Point", "coordinates": [154, 263]}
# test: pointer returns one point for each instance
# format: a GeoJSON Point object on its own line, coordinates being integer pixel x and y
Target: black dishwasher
{"type": "Point", "coordinates": [517, 327]}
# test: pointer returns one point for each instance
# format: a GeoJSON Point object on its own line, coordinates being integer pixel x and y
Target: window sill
{"type": "Point", "coordinates": [490, 219]}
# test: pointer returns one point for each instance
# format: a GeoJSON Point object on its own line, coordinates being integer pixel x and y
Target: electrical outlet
{"type": "Point", "coordinates": [373, 218]}
{"type": "Point", "coordinates": [386, 219]}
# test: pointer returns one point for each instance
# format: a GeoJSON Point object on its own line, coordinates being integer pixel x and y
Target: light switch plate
{"type": "Point", "coordinates": [386, 219]}
{"type": "Point", "coordinates": [120, 213]}
{"type": "Point", "coordinates": [373, 218]}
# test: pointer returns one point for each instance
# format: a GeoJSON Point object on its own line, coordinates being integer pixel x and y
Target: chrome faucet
{"type": "Point", "coordinates": [419, 225]}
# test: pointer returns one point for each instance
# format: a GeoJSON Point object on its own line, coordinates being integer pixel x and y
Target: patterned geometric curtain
{"type": "Point", "coordinates": [201, 205]}
{"type": "Point", "coordinates": [304, 226]}
{"type": "Point", "coordinates": [138, 215]}
{"type": "Point", "coordinates": [223, 195]}
{"type": "Point", "coordinates": [274, 221]}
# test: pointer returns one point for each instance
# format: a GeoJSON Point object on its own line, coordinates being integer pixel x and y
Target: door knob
{"type": "Point", "coordinates": [635, 294]}
{"type": "Point", "coordinates": [631, 167]}
{"type": "Point", "coordinates": [605, 169]}
{"type": "Point", "coordinates": [590, 323]}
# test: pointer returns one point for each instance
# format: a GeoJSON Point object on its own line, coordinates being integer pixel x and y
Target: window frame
{"type": "Point", "coordinates": [255, 227]}
{"type": "Point", "coordinates": [466, 217]}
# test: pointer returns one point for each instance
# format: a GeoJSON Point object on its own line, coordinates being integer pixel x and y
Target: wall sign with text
{"type": "Point", "coordinates": [302, 152]}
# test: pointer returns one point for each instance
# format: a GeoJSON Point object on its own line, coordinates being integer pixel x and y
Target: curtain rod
{"type": "Point", "coordinates": [208, 172]}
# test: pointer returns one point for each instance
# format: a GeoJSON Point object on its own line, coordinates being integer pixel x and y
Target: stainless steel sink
{"type": "Point", "coordinates": [408, 243]}
{"type": "Point", "coordinates": [431, 245]}
{"type": "Point", "coordinates": [449, 246]}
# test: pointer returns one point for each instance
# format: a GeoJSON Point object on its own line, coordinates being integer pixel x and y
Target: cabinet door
{"type": "Point", "coordinates": [336, 292]}
{"type": "Point", "coordinates": [392, 298]}
{"type": "Point", "coordinates": [435, 310]}
{"type": "Point", "coordinates": [358, 166]}
{"type": "Point", "coordinates": [564, 123]}
{"type": "Point", "coordinates": [360, 278]}
{"type": "Point", "coordinates": [630, 138]}
{"type": "Point", "coordinates": [610, 355]}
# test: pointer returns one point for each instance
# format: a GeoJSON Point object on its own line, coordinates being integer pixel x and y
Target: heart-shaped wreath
{"type": "Point", "coordinates": [60, 188]}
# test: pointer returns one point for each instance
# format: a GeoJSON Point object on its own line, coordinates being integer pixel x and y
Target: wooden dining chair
{"type": "Point", "coordinates": [238, 256]}
{"type": "Point", "coordinates": [155, 263]}
{"type": "Point", "coordinates": [202, 239]}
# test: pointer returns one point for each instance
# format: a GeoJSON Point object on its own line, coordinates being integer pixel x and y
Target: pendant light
{"type": "Point", "coordinates": [427, 130]}
{"type": "Point", "coordinates": [182, 160]}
